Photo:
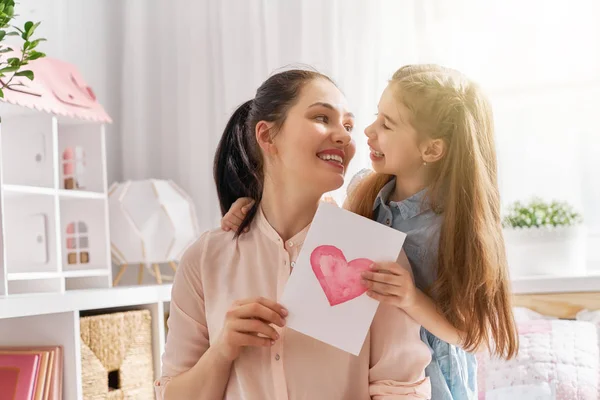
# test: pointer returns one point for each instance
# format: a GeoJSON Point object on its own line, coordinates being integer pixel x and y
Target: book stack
{"type": "Point", "coordinates": [31, 373]}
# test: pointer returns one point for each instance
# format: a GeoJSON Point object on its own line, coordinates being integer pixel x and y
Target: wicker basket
{"type": "Point", "coordinates": [116, 356]}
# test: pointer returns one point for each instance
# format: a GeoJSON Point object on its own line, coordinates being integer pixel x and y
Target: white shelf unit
{"type": "Point", "coordinates": [53, 319]}
{"type": "Point", "coordinates": [53, 203]}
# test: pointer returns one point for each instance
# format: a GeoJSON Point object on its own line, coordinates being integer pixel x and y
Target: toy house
{"type": "Point", "coordinates": [53, 195]}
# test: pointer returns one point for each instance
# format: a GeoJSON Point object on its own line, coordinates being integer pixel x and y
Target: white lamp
{"type": "Point", "coordinates": [151, 222]}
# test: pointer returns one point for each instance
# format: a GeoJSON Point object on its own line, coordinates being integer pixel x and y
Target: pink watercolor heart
{"type": "Point", "coordinates": [340, 279]}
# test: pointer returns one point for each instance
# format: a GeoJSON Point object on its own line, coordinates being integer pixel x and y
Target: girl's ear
{"type": "Point", "coordinates": [263, 137]}
{"type": "Point", "coordinates": [433, 150]}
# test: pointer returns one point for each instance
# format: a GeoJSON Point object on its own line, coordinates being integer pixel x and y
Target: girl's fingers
{"type": "Point", "coordinates": [247, 207]}
{"type": "Point", "coordinates": [392, 268]}
{"type": "Point", "coordinates": [241, 204]}
{"type": "Point", "coordinates": [231, 225]}
{"type": "Point", "coordinates": [387, 278]}
{"type": "Point", "coordinates": [383, 288]}
{"type": "Point", "coordinates": [381, 297]}
{"type": "Point", "coordinates": [234, 219]}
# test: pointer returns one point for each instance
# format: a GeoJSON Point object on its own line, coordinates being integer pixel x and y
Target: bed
{"type": "Point", "coordinates": [559, 356]}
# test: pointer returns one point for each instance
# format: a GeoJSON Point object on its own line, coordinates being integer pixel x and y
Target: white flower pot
{"type": "Point", "coordinates": [546, 251]}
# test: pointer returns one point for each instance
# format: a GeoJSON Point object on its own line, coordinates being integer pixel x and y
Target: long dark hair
{"type": "Point", "coordinates": [238, 165]}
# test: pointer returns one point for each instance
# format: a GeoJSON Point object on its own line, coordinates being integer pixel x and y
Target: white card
{"type": "Point", "coordinates": [324, 295]}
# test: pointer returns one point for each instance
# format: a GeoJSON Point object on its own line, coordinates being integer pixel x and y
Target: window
{"type": "Point", "coordinates": [77, 243]}
{"type": "Point", "coordinates": [73, 161]}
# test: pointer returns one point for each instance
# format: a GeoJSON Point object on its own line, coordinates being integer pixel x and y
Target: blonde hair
{"type": "Point", "coordinates": [472, 284]}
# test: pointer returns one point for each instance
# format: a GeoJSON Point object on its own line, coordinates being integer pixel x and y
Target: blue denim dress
{"type": "Point", "coordinates": [452, 371]}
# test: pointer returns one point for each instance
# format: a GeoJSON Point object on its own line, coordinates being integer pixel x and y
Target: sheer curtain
{"type": "Point", "coordinates": [187, 64]}
{"type": "Point", "coordinates": [539, 61]}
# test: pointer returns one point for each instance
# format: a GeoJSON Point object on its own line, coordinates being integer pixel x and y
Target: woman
{"type": "Point", "coordinates": [227, 338]}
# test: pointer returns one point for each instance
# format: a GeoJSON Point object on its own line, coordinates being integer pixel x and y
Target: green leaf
{"type": "Point", "coordinates": [19, 29]}
{"type": "Point", "coordinates": [13, 33]}
{"type": "Point", "coordinates": [27, 73]}
{"type": "Point", "coordinates": [13, 60]}
{"type": "Point", "coordinates": [2, 7]}
{"type": "Point", "coordinates": [32, 45]}
{"type": "Point", "coordinates": [1, 94]}
{"type": "Point", "coordinates": [9, 69]}
{"type": "Point", "coordinates": [2, 34]}
{"type": "Point", "coordinates": [30, 29]}
{"type": "Point", "coordinates": [34, 55]}
{"type": "Point", "coordinates": [10, 11]}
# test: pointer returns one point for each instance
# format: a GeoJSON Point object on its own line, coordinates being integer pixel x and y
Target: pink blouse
{"type": "Point", "coordinates": [218, 269]}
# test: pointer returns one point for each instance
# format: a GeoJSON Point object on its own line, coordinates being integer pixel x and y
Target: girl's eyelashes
{"type": "Point", "coordinates": [383, 125]}
{"type": "Point", "coordinates": [349, 127]}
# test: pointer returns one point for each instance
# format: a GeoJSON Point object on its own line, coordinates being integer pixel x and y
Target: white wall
{"type": "Point", "coordinates": [85, 33]}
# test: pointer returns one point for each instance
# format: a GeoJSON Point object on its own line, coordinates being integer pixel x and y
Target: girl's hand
{"type": "Point", "coordinates": [236, 214]}
{"type": "Point", "coordinates": [248, 324]}
{"type": "Point", "coordinates": [390, 284]}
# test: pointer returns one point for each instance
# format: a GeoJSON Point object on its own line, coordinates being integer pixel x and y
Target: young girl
{"type": "Point", "coordinates": [432, 150]}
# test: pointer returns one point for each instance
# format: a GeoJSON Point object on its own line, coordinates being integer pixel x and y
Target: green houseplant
{"type": "Point", "coordinates": [539, 214]}
{"type": "Point", "coordinates": [11, 65]}
{"type": "Point", "coordinates": [544, 238]}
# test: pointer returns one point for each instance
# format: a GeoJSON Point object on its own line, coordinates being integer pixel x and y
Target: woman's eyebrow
{"type": "Point", "coordinates": [331, 107]}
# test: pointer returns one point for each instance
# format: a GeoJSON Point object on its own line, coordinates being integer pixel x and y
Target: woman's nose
{"type": "Point", "coordinates": [342, 137]}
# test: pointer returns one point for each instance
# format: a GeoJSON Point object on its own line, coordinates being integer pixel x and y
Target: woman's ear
{"type": "Point", "coordinates": [433, 150]}
{"type": "Point", "coordinates": [264, 137]}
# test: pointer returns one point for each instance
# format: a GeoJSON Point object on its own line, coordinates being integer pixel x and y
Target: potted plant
{"type": "Point", "coordinates": [544, 238]}
{"type": "Point", "coordinates": [12, 63]}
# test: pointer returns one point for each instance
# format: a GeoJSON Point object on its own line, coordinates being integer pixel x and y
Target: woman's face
{"type": "Point", "coordinates": [314, 146]}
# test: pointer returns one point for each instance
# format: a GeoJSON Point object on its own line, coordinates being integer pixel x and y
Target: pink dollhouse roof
{"type": "Point", "coordinates": [58, 88]}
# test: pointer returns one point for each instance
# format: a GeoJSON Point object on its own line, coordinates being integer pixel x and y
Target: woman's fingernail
{"type": "Point", "coordinates": [276, 335]}
{"type": "Point", "coordinates": [364, 283]}
{"type": "Point", "coordinates": [284, 311]}
{"type": "Point", "coordinates": [372, 266]}
{"type": "Point", "coordinates": [272, 342]}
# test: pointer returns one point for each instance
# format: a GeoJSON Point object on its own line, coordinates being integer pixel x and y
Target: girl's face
{"type": "Point", "coordinates": [314, 145]}
{"type": "Point", "coordinates": [393, 142]}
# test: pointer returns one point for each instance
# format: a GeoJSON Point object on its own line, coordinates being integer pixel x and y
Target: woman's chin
{"type": "Point", "coordinates": [335, 183]}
